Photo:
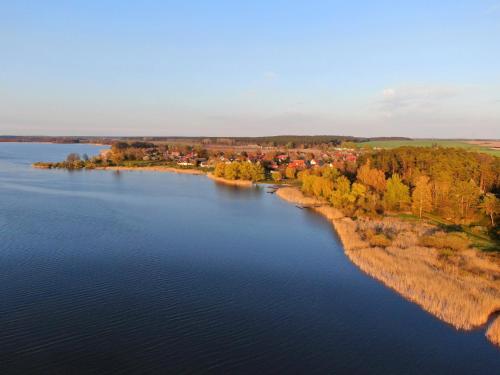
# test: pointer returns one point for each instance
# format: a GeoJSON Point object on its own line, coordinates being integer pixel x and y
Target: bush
{"type": "Point", "coordinates": [444, 254]}
{"type": "Point", "coordinates": [451, 227]}
{"type": "Point", "coordinates": [441, 240]}
{"type": "Point", "coordinates": [380, 240]}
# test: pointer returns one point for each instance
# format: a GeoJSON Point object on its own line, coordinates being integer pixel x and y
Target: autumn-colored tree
{"type": "Point", "coordinates": [276, 176]}
{"type": "Point", "coordinates": [397, 194]}
{"type": "Point", "coordinates": [355, 198]}
{"type": "Point", "coordinates": [466, 196]}
{"type": "Point", "coordinates": [491, 207]}
{"type": "Point", "coordinates": [321, 187]}
{"type": "Point", "coordinates": [245, 171]}
{"type": "Point", "coordinates": [258, 172]}
{"type": "Point", "coordinates": [330, 172]}
{"type": "Point", "coordinates": [219, 169]}
{"type": "Point", "coordinates": [317, 186]}
{"type": "Point", "coordinates": [302, 174]}
{"type": "Point", "coordinates": [232, 171]}
{"type": "Point", "coordinates": [372, 177]}
{"type": "Point", "coordinates": [340, 195]}
{"type": "Point", "coordinates": [290, 173]}
{"type": "Point", "coordinates": [422, 196]}
{"type": "Point", "coordinates": [117, 157]}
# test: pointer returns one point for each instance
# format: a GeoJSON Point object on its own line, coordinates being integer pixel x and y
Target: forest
{"type": "Point", "coordinates": [454, 186]}
{"type": "Point", "coordinates": [240, 171]}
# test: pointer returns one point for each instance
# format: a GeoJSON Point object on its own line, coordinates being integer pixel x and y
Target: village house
{"type": "Point", "coordinates": [185, 163]}
{"type": "Point", "coordinates": [297, 164]}
{"type": "Point", "coordinates": [281, 158]}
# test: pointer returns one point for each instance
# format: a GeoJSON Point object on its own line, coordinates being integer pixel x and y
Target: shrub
{"type": "Point", "coordinates": [380, 240]}
{"type": "Point", "coordinates": [405, 240]}
{"type": "Point", "coordinates": [276, 175]}
{"type": "Point", "coordinates": [441, 240]}
{"type": "Point", "coordinates": [444, 254]}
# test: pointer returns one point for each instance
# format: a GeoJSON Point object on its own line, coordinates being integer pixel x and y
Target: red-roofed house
{"type": "Point", "coordinates": [297, 164]}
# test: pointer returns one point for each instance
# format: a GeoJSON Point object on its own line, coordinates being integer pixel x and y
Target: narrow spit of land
{"type": "Point", "coordinates": [463, 291]}
{"type": "Point", "coordinates": [155, 169]}
{"type": "Point", "coordinates": [240, 183]}
{"type": "Point", "coordinates": [123, 168]}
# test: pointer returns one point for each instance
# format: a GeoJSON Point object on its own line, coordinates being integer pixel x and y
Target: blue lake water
{"type": "Point", "coordinates": [140, 272]}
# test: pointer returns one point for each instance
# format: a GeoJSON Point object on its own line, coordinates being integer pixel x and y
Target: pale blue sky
{"type": "Point", "coordinates": [262, 67]}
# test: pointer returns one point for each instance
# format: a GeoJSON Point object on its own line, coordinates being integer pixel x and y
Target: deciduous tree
{"type": "Point", "coordinates": [397, 194]}
{"type": "Point", "coordinates": [422, 196]}
{"type": "Point", "coordinates": [491, 207]}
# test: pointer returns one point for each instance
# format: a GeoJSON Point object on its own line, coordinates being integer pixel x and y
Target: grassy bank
{"type": "Point", "coordinates": [461, 288]}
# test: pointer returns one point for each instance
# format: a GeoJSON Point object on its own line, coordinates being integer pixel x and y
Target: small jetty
{"type": "Point", "coordinates": [302, 206]}
{"type": "Point", "coordinates": [273, 189]}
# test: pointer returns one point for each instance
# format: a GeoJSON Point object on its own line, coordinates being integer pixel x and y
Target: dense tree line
{"type": "Point", "coordinates": [240, 171]}
{"type": "Point", "coordinates": [455, 184]}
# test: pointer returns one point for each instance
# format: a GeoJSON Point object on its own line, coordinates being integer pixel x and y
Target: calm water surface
{"type": "Point", "coordinates": [138, 272]}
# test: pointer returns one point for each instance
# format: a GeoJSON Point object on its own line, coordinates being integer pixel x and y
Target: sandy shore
{"type": "Point", "coordinates": [154, 169]}
{"type": "Point", "coordinates": [463, 291]}
{"type": "Point", "coordinates": [241, 183]}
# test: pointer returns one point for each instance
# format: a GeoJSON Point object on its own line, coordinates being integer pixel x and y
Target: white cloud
{"type": "Point", "coordinates": [393, 101]}
{"type": "Point", "coordinates": [444, 111]}
{"type": "Point", "coordinates": [388, 93]}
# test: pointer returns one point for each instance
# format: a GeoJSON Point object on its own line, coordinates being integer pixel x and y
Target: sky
{"type": "Point", "coordinates": [250, 68]}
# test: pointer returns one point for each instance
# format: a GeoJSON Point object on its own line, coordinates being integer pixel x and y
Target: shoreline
{"type": "Point", "coordinates": [154, 169]}
{"type": "Point", "coordinates": [191, 171]}
{"type": "Point", "coordinates": [239, 183]}
{"type": "Point", "coordinates": [467, 298]}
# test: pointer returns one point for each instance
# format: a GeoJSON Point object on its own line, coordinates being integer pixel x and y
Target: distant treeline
{"type": "Point", "coordinates": [57, 139]}
{"type": "Point", "coordinates": [278, 140]}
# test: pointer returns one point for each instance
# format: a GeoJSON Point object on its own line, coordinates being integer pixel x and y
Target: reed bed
{"type": "Point", "coordinates": [493, 332]}
{"type": "Point", "coordinates": [461, 288]}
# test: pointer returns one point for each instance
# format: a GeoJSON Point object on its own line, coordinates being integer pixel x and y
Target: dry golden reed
{"type": "Point", "coordinates": [462, 289]}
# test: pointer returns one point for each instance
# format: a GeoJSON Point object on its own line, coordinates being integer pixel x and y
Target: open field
{"type": "Point", "coordinates": [479, 146]}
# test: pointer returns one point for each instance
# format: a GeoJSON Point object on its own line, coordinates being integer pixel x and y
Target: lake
{"type": "Point", "coordinates": [142, 272]}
